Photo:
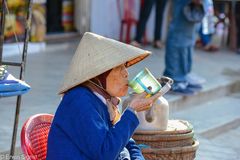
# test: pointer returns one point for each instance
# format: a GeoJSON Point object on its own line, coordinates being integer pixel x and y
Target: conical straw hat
{"type": "Point", "coordinates": [96, 55]}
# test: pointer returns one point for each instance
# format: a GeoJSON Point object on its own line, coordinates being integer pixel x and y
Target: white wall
{"type": "Point", "coordinates": [104, 18]}
{"type": "Point", "coordinates": [82, 15]}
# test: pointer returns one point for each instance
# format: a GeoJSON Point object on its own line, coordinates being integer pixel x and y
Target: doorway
{"type": "Point", "coordinates": [54, 16]}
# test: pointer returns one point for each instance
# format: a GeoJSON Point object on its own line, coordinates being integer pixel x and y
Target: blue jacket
{"type": "Point", "coordinates": [81, 130]}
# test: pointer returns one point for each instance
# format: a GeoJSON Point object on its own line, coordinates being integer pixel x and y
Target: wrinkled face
{"type": "Point", "coordinates": [117, 81]}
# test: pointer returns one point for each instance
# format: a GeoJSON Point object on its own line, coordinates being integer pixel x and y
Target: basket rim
{"type": "Point", "coordinates": [174, 150]}
{"type": "Point", "coordinates": [161, 132]}
{"type": "Point", "coordinates": [189, 128]}
{"type": "Point", "coordinates": [164, 137]}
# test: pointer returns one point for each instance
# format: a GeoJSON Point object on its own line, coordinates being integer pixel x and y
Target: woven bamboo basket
{"type": "Point", "coordinates": [176, 153]}
{"type": "Point", "coordinates": [178, 134]}
{"type": "Point", "coordinates": [165, 141]}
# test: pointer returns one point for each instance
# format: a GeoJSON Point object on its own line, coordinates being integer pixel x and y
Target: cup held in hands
{"type": "Point", "coordinates": [145, 81]}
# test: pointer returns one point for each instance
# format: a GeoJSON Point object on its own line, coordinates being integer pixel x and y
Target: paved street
{"type": "Point", "coordinates": [45, 72]}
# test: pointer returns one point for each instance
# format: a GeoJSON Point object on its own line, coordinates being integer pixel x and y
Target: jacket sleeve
{"type": "Point", "coordinates": [134, 150]}
{"type": "Point", "coordinates": [86, 128]}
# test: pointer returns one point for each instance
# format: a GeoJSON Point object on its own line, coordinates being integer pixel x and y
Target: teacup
{"type": "Point", "coordinates": [145, 81]}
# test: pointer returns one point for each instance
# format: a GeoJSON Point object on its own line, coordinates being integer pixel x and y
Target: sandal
{"type": "Point", "coordinates": [136, 44]}
{"type": "Point", "coordinates": [158, 44]}
{"type": "Point", "coordinates": [198, 44]}
{"type": "Point", "coordinates": [211, 48]}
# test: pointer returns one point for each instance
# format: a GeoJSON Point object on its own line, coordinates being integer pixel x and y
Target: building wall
{"type": "Point", "coordinates": [102, 17]}
{"type": "Point", "coordinates": [105, 19]}
{"type": "Point", "coordinates": [82, 12]}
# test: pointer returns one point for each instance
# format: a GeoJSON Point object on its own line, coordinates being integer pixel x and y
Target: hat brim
{"type": "Point", "coordinates": [137, 59]}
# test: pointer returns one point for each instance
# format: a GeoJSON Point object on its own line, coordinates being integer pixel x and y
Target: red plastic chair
{"type": "Point", "coordinates": [128, 19]}
{"type": "Point", "coordinates": [34, 136]}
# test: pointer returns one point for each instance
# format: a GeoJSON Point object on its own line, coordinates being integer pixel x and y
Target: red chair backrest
{"type": "Point", "coordinates": [34, 136]}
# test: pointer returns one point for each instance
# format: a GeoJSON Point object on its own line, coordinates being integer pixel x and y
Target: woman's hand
{"type": "Point", "coordinates": [139, 102]}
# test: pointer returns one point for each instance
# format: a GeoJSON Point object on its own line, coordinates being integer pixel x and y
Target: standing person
{"type": "Point", "coordinates": [87, 124]}
{"type": "Point", "coordinates": [145, 11]}
{"type": "Point", "coordinates": [180, 41]}
{"type": "Point", "coordinates": [207, 28]}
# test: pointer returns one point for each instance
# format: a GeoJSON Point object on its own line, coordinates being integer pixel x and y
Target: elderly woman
{"type": "Point", "coordinates": [87, 124]}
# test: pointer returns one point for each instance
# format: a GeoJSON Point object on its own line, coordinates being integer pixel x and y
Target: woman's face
{"type": "Point", "coordinates": [117, 81]}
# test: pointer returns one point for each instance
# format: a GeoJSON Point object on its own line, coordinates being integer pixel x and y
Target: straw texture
{"type": "Point", "coordinates": [175, 143]}
{"type": "Point", "coordinates": [176, 153]}
{"type": "Point", "coordinates": [164, 140]}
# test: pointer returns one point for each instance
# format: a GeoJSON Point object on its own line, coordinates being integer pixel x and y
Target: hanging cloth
{"type": "Point", "coordinates": [10, 86]}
